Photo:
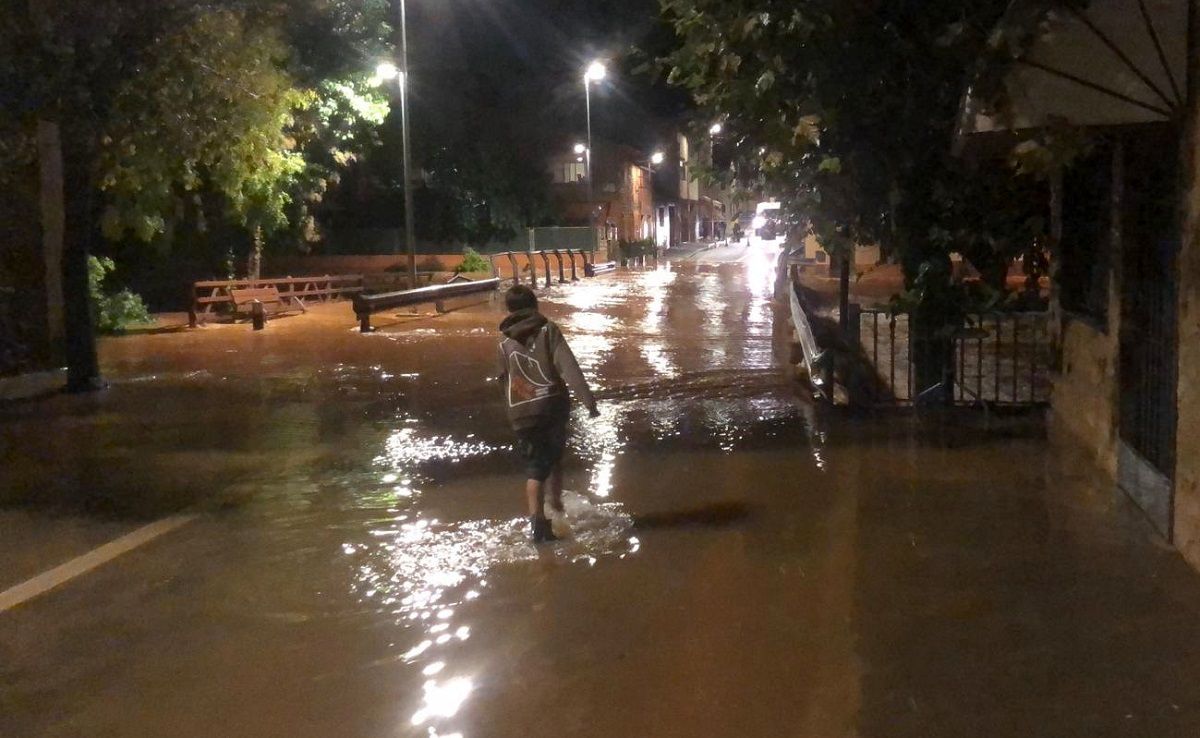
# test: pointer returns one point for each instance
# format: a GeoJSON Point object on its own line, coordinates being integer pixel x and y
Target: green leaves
{"type": "Point", "coordinates": [113, 312]}
{"type": "Point", "coordinates": [210, 107]}
{"type": "Point", "coordinates": [830, 165]}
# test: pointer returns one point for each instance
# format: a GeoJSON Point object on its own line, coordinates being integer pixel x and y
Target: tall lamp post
{"type": "Point", "coordinates": [596, 72]}
{"type": "Point", "coordinates": [389, 71]}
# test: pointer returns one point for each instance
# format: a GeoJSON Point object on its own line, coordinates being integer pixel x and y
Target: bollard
{"type": "Point", "coordinates": [546, 261]}
{"type": "Point", "coordinates": [257, 315]}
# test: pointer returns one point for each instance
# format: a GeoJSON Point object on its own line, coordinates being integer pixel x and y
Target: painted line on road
{"type": "Point", "coordinates": [80, 565]}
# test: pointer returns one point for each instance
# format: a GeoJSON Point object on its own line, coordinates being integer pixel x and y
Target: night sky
{"type": "Point", "coordinates": [524, 59]}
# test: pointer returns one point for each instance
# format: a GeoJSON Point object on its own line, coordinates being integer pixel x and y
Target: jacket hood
{"type": "Point", "coordinates": [522, 324]}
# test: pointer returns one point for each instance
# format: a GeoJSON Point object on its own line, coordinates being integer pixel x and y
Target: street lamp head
{"type": "Point", "coordinates": [715, 129]}
{"type": "Point", "coordinates": [580, 148]}
{"type": "Point", "coordinates": [596, 71]}
{"type": "Point", "coordinates": [387, 71]}
{"type": "Point", "coordinates": [657, 158]}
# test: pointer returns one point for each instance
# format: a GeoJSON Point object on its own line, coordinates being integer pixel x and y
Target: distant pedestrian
{"type": "Point", "coordinates": [539, 373]}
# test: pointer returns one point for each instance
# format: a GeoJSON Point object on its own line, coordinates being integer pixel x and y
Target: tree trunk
{"type": "Point", "coordinates": [82, 225]}
{"type": "Point", "coordinates": [254, 263]}
{"type": "Point", "coordinates": [50, 169]}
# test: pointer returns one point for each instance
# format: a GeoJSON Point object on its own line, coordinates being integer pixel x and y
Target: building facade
{"type": "Point", "coordinates": [1125, 230]}
{"type": "Point", "coordinates": [686, 209]}
{"type": "Point", "coordinates": [621, 198]}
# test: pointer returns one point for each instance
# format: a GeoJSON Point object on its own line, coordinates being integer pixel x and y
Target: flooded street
{"type": "Point", "coordinates": [739, 562]}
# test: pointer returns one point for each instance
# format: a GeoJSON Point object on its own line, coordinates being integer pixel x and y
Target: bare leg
{"type": "Point", "coordinates": [555, 488]}
{"type": "Point", "coordinates": [535, 498]}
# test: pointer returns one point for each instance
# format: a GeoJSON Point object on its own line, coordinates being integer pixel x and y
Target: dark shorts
{"type": "Point", "coordinates": [542, 448]}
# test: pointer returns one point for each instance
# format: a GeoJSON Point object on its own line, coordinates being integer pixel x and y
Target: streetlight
{"type": "Point", "coordinates": [389, 71]}
{"type": "Point", "coordinates": [657, 158]}
{"type": "Point", "coordinates": [715, 129]}
{"type": "Point", "coordinates": [580, 148]}
{"type": "Point", "coordinates": [596, 72]}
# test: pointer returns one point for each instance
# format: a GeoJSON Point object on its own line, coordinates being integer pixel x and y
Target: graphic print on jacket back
{"type": "Point", "coordinates": [527, 380]}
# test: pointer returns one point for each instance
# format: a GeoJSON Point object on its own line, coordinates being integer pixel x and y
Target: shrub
{"type": "Point", "coordinates": [116, 311]}
{"type": "Point", "coordinates": [472, 262]}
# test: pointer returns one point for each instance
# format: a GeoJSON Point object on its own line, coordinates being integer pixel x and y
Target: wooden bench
{"type": "Point", "coordinates": [273, 303]}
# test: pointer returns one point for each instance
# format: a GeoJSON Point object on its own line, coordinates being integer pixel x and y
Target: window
{"type": "Point", "coordinates": [569, 172]}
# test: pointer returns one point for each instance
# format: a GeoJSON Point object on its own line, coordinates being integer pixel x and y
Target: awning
{"type": "Point", "coordinates": [1115, 63]}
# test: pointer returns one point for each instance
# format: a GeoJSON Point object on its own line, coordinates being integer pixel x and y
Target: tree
{"type": "Point", "coordinates": [847, 111]}
{"type": "Point", "coordinates": [169, 114]}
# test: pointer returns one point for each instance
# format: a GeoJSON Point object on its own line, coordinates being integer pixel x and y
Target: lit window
{"type": "Point", "coordinates": [570, 172]}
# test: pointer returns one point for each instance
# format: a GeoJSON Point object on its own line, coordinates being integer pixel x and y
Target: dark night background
{"type": "Point", "coordinates": [522, 60]}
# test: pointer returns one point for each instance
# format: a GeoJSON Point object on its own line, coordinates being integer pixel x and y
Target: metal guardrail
{"type": "Point", "coordinates": [367, 305]}
{"type": "Point", "coordinates": [814, 358]}
{"type": "Point", "coordinates": [205, 295]}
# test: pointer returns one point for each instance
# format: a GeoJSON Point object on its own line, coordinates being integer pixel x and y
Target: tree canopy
{"type": "Point", "coordinates": [846, 110]}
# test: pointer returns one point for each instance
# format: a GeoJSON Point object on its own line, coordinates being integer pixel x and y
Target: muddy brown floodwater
{"type": "Point", "coordinates": [739, 563]}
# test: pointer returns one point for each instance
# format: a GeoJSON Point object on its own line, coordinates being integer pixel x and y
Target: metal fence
{"type": "Point", "coordinates": [1000, 359]}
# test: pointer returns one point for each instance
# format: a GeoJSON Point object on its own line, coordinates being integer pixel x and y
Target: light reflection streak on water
{"type": "Point", "coordinates": [588, 295]}
{"type": "Point", "coordinates": [599, 440]}
{"type": "Point", "coordinates": [589, 350]}
{"type": "Point", "coordinates": [589, 322]}
{"type": "Point", "coordinates": [656, 356]}
{"type": "Point", "coordinates": [419, 572]}
{"type": "Point", "coordinates": [711, 301]}
{"type": "Point", "coordinates": [760, 273]}
{"type": "Point", "coordinates": [406, 448]}
{"type": "Point", "coordinates": [654, 351]}
{"type": "Point", "coordinates": [816, 436]}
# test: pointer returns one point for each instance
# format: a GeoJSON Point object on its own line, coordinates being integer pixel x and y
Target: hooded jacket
{"type": "Point", "coordinates": [538, 371]}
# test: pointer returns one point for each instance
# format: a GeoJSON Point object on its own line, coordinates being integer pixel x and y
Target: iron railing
{"type": "Point", "coordinates": [1002, 359]}
{"type": "Point", "coordinates": [526, 262]}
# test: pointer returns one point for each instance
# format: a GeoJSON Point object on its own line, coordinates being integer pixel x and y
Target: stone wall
{"type": "Point", "coordinates": [1187, 448]}
{"type": "Point", "coordinates": [1084, 401]}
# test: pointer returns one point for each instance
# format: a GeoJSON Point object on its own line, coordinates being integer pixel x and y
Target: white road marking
{"type": "Point", "coordinates": [93, 559]}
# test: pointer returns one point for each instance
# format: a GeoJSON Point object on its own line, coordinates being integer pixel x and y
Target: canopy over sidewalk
{"type": "Point", "coordinates": [1111, 63]}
